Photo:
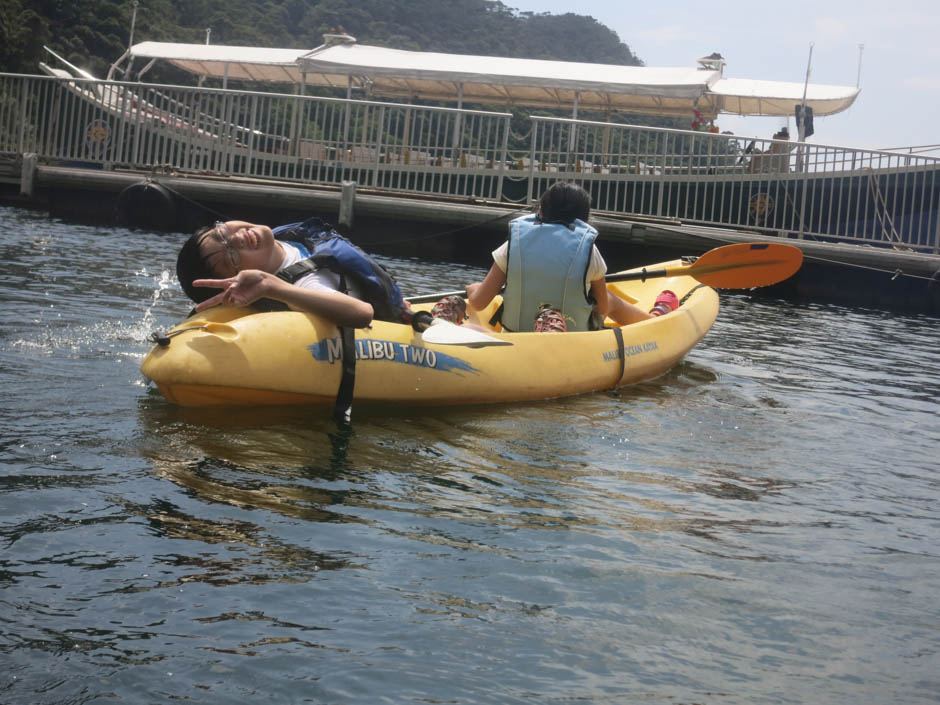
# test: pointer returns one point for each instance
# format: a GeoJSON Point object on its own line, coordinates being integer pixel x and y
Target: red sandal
{"type": "Point", "coordinates": [666, 301]}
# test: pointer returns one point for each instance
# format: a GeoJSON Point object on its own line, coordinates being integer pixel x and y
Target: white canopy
{"type": "Point", "coordinates": [491, 79]}
{"type": "Point", "coordinates": [217, 61]}
{"type": "Point", "coordinates": [742, 96]}
{"type": "Point", "coordinates": [409, 75]}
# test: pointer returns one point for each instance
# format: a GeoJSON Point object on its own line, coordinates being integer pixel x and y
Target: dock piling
{"type": "Point", "coordinates": [347, 204]}
{"type": "Point", "coordinates": [28, 174]}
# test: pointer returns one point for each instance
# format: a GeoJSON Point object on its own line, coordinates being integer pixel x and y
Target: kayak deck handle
{"type": "Point", "coordinates": [219, 329]}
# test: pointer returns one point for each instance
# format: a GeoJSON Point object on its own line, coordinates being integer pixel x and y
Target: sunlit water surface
{"type": "Point", "coordinates": [760, 525]}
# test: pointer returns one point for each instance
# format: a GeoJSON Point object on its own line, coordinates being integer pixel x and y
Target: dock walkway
{"type": "Point", "coordinates": [455, 228]}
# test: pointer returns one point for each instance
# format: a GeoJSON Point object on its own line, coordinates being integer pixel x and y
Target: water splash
{"type": "Point", "coordinates": [163, 282]}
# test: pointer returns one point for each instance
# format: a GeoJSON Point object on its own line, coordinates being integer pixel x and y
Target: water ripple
{"type": "Point", "coordinates": [757, 525]}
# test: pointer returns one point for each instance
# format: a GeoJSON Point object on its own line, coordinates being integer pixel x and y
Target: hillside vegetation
{"type": "Point", "coordinates": [93, 33]}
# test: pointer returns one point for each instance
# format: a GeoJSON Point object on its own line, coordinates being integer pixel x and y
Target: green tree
{"type": "Point", "coordinates": [94, 33]}
{"type": "Point", "coordinates": [23, 31]}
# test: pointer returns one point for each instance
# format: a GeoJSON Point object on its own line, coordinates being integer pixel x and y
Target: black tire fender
{"type": "Point", "coordinates": [147, 204]}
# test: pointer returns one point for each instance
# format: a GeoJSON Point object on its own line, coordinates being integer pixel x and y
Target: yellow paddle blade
{"type": "Point", "coordinates": [746, 265]}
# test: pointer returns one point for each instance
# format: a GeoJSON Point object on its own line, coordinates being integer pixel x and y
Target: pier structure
{"type": "Point", "coordinates": [170, 156]}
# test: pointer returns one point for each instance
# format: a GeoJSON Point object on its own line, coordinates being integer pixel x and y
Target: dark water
{"type": "Point", "coordinates": [761, 525]}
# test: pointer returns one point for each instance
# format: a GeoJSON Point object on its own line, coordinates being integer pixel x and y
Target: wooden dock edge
{"type": "Point", "coordinates": [845, 273]}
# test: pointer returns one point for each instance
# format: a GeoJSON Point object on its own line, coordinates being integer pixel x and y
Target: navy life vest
{"type": "Point", "coordinates": [324, 248]}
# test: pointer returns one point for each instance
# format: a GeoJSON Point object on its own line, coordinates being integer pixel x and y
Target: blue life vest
{"type": "Point", "coordinates": [324, 248]}
{"type": "Point", "coordinates": [547, 264]}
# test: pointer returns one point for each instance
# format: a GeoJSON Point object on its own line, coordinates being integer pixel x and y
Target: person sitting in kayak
{"type": "Point", "coordinates": [303, 266]}
{"type": "Point", "coordinates": [552, 271]}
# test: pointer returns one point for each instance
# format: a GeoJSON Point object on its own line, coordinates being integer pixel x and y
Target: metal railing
{"type": "Point", "coordinates": [784, 188]}
{"type": "Point", "coordinates": [252, 134]}
{"type": "Point", "coordinates": [883, 198]}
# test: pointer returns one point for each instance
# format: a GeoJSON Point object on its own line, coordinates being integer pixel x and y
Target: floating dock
{"type": "Point", "coordinates": [458, 229]}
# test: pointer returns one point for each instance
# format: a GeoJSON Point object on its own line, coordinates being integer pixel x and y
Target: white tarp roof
{"type": "Point", "coordinates": [488, 79]}
{"type": "Point", "coordinates": [743, 96]}
{"type": "Point", "coordinates": [491, 79]}
{"type": "Point", "coordinates": [218, 61]}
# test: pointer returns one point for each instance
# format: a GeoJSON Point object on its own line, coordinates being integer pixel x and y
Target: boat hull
{"type": "Point", "coordinates": [236, 356]}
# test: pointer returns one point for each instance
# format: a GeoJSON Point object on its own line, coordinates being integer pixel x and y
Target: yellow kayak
{"type": "Point", "coordinates": [237, 356]}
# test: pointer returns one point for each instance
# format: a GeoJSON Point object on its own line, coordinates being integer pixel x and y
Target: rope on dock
{"type": "Point", "coordinates": [894, 271]}
{"type": "Point", "coordinates": [211, 211]}
{"type": "Point", "coordinates": [483, 223]}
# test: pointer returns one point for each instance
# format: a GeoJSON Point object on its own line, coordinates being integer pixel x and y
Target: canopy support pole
{"type": "Point", "coordinates": [406, 138]}
{"type": "Point", "coordinates": [573, 133]}
{"type": "Point", "coordinates": [458, 128]}
{"type": "Point", "coordinates": [349, 82]}
{"type": "Point", "coordinates": [801, 129]}
{"type": "Point", "coordinates": [605, 147]}
{"type": "Point", "coordinates": [202, 77]}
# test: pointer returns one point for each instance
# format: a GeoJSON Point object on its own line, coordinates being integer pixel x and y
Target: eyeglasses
{"type": "Point", "coordinates": [223, 234]}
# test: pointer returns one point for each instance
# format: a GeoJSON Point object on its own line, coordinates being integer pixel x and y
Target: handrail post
{"type": "Point", "coordinates": [346, 118]}
{"type": "Point", "coordinates": [22, 138]}
{"type": "Point", "coordinates": [803, 189]}
{"type": "Point", "coordinates": [251, 134]}
{"type": "Point", "coordinates": [662, 177]}
{"type": "Point", "coordinates": [406, 137]}
{"type": "Point", "coordinates": [535, 123]}
{"type": "Point", "coordinates": [379, 131]}
{"type": "Point", "coordinates": [457, 138]}
{"type": "Point", "coordinates": [122, 102]}
{"type": "Point", "coordinates": [936, 235]}
{"type": "Point", "coordinates": [504, 156]}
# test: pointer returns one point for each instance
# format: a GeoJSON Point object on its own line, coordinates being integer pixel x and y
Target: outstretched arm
{"type": "Point", "coordinates": [252, 284]}
{"type": "Point", "coordinates": [610, 305]}
{"type": "Point", "coordinates": [479, 294]}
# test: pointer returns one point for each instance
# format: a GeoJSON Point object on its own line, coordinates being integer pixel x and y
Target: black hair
{"type": "Point", "coordinates": [191, 265]}
{"type": "Point", "coordinates": [564, 202]}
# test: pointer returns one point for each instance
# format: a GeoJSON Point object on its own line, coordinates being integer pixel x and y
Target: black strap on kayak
{"type": "Point", "coordinates": [690, 292]}
{"type": "Point", "coordinates": [497, 316]}
{"type": "Point", "coordinates": [342, 409]}
{"type": "Point", "coordinates": [618, 334]}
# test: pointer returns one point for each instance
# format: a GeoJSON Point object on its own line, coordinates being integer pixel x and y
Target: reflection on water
{"type": "Point", "coordinates": [526, 475]}
{"type": "Point", "coordinates": [758, 525]}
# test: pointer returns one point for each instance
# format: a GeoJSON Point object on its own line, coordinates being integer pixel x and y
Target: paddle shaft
{"type": "Point", "coordinates": [619, 277]}
{"type": "Point", "coordinates": [641, 275]}
{"type": "Point", "coordinates": [741, 266]}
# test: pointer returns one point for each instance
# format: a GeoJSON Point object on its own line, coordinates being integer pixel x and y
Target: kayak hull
{"type": "Point", "coordinates": [237, 356]}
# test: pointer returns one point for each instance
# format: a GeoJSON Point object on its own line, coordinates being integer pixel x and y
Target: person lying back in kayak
{"type": "Point", "coordinates": [304, 266]}
{"type": "Point", "coordinates": [553, 272]}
